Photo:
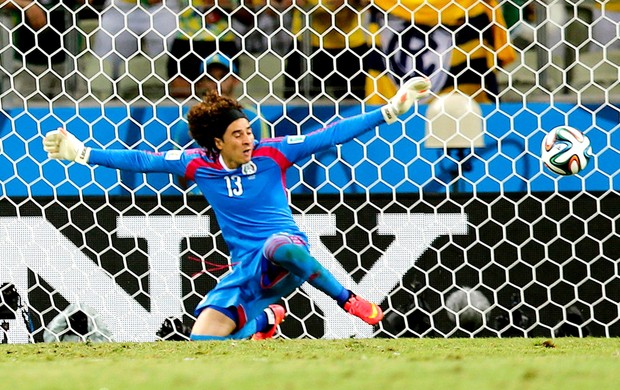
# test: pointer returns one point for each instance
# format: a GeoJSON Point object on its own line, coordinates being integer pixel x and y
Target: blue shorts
{"type": "Point", "coordinates": [255, 282]}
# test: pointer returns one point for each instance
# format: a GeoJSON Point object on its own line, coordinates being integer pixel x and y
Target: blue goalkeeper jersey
{"type": "Point", "coordinates": [250, 202]}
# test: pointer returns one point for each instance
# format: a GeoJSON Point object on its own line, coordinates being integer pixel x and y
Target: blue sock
{"type": "Point", "coordinates": [200, 337]}
{"type": "Point", "coordinates": [343, 297]}
{"type": "Point", "coordinates": [262, 322]}
{"type": "Point", "coordinates": [298, 261]}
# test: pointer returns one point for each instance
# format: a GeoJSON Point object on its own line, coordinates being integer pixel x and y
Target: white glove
{"type": "Point", "coordinates": [414, 89]}
{"type": "Point", "coordinates": [62, 145]}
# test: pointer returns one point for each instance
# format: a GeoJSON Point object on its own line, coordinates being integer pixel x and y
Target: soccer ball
{"type": "Point", "coordinates": [470, 306]}
{"type": "Point", "coordinates": [566, 150]}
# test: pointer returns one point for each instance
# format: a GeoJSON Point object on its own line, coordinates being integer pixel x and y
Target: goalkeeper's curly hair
{"type": "Point", "coordinates": [205, 120]}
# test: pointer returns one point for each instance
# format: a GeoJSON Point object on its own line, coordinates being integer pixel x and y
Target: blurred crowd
{"type": "Point", "coordinates": [341, 49]}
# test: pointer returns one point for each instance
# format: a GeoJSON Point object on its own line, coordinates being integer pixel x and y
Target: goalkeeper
{"type": "Point", "coordinates": [243, 181]}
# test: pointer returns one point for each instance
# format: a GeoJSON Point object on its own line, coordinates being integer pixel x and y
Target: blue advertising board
{"type": "Point", "coordinates": [509, 161]}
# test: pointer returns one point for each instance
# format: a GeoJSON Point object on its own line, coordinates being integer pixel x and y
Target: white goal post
{"type": "Point", "coordinates": [456, 229]}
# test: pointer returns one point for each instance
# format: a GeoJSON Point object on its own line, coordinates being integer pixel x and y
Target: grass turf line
{"type": "Point", "coordinates": [566, 363]}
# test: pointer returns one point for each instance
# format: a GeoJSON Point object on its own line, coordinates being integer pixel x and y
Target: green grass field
{"type": "Point", "coordinates": [566, 363]}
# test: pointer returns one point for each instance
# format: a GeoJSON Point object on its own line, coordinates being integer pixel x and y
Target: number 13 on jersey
{"type": "Point", "coordinates": [234, 185]}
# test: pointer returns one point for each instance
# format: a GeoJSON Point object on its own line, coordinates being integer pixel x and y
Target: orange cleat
{"type": "Point", "coordinates": [367, 311]}
{"type": "Point", "coordinates": [279, 312]}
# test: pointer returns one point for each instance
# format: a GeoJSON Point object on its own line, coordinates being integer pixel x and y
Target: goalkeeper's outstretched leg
{"type": "Point", "coordinates": [292, 254]}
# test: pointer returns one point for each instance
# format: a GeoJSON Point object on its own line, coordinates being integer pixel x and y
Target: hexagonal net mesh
{"type": "Point", "coordinates": [448, 219]}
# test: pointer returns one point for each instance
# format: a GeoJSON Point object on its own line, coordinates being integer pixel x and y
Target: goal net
{"type": "Point", "coordinates": [448, 219]}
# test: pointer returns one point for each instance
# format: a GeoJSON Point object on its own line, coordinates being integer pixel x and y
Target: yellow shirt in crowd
{"type": "Point", "coordinates": [200, 21]}
{"type": "Point", "coordinates": [454, 13]}
{"type": "Point", "coordinates": [610, 5]}
{"type": "Point", "coordinates": [331, 24]}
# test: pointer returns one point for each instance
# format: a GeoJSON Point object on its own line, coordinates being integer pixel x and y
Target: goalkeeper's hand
{"type": "Point", "coordinates": [414, 89]}
{"type": "Point", "coordinates": [62, 145]}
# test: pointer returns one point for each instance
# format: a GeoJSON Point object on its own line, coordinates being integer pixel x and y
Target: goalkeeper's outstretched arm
{"type": "Point", "coordinates": [352, 127]}
{"type": "Point", "coordinates": [413, 90]}
{"type": "Point", "coordinates": [62, 145]}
